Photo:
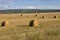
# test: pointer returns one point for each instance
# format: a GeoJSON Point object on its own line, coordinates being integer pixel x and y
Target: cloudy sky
{"type": "Point", "coordinates": [29, 4]}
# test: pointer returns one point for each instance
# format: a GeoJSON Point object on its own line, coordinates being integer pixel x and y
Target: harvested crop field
{"type": "Point", "coordinates": [48, 27]}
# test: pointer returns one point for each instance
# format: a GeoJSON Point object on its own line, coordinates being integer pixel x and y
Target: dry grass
{"type": "Point", "coordinates": [48, 28]}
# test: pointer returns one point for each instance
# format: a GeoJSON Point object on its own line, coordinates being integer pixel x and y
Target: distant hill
{"type": "Point", "coordinates": [28, 10]}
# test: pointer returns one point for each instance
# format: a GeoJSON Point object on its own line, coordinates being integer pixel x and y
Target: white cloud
{"type": "Point", "coordinates": [12, 7]}
{"type": "Point", "coordinates": [49, 7]}
{"type": "Point", "coordinates": [41, 7]}
{"type": "Point", "coordinates": [4, 2]}
{"type": "Point", "coordinates": [3, 7]}
{"type": "Point", "coordinates": [29, 7]}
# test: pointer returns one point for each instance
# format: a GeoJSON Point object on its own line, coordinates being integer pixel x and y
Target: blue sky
{"type": "Point", "coordinates": [29, 4]}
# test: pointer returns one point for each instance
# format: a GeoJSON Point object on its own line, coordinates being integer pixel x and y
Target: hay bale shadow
{"type": "Point", "coordinates": [43, 17]}
{"type": "Point", "coordinates": [36, 15]}
{"type": "Point", "coordinates": [21, 15]}
{"type": "Point", "coordinates": [54, 16]}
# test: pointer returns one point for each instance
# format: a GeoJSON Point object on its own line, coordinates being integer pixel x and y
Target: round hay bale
{"type": "Point", "coordinates": [36, 15]}
{"type": "Point", "coordinates": [54, 16]}
{"type": "Point", "coordinates": [33, 23]}
{"type": "Point", "coordinates": [5, 23]}
{"type": "Point", "coordinates": [21, 14]}
{"type": "Point", "coordinates": [9, 13]}
{"type": "Point", "coordinates": [43, 17]}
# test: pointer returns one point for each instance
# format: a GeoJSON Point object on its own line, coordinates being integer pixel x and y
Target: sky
{"type": "Point", "coordinates": [29, 4]}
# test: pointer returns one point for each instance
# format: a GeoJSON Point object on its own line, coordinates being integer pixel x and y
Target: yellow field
{"type": "Point", "coordinates": [19, 29]}
{"type": "Point", "coordinates": [17, 19]}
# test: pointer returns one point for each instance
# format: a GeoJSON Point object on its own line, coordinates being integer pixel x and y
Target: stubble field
{"type": "Point", "coordinates": [19, 29]}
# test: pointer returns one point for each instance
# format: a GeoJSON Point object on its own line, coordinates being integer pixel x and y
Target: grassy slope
{"type": "Point", "coordinates": [48, 29]}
